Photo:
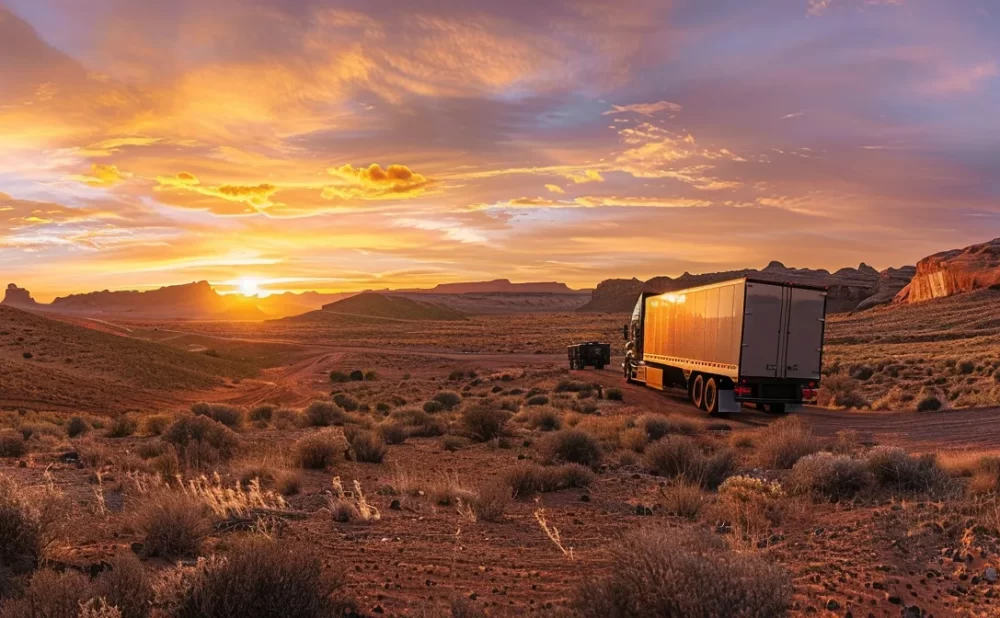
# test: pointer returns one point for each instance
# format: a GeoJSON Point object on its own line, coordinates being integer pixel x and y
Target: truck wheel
{"type": "Point", "coordinates": [599, 366]}
{"type": "Point", "coordinates": [710, 401]}
{"type": "Point", "coordinates": [698, 390]}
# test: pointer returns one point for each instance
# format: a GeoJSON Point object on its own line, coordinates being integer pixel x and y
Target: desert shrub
{"type": "Point", "coordinates": [895, 469]}
{"type": "Point", "coordinates": [339, 376]}
{"type": "Point", "coordinates": [448, 399]}
{"type": "Point", "coordinates": [370, 375]}
{"type": "Point", "coordinates": [346, 402]}
{"type": "Point", "coordinates": [784, 442]}
{"type": "Point", "coordinates": [126, 586]}
{"type": "Point", "coordinates": [260, 578]}
{"type": "Point", "coordinates": [367, 447]}
{"type": "Point", "coordinates": [12, 444]}
{"type": "Point", "coordinates": [684, 499]}
{"type": "Point", "coordinates": [357, 375]}
{"type": "Point", "coordinates": [156, 424]}
{"type": "Point", "coordinates": [484, 422]}
{"type": "Point", "coordinates": [262, 413]}
{"type": "Point", "coordinates": [634, 439]}
{"type": "Point", "coordinates": [456, 375]}
{"type": "Point", "coordinates": [230, 416]}
{"type": "Point", "coordinates": [287, 418]}
{"type": "Point", "coordinates": [929, 404]}
{"type": "Point", "coordinates": [433, 407]}
{"type": "Point", "coordinates": [831, 476]}
{"type": "Point", "coordinates": [750, 506]}
{"type": "Point", "coordinates": [383, 407]}
{"type": "Point", "coordinates": [317, 451]}
{"type": "Point", "coordinates": [671, 572]}
{"type": "Point", "coordinates": [201, 441]}
{"type": "Point", "coordinates": [393, 433]}
{"type": "Point", "coordinates": [419, 423]}
{"type": "Point", "coordinates": [452, 443]}
{"type": "Point", "coordinates": [77, 427]}
{"type": "Point", "coordinates": [22, 535]}
{"type": "Point", "coordinates": [545, 418]}
{"type": "Point", "coordinates": [840, 391]}
{"type": "Point", "coordinates": [966, 367]}
{"type": "Point", "coordinates": [323, 414]}
{"type": "Point", "coordinates": [51, 595]}
{"type": "Point", "coordinates": [27, 355]}
{"type": "Point", "coordinates": [491, 501]}
{"type": "Point", "coordinates": [171, 524]}
{"type": "Point", "coordinates": [570, 446]}
{"type": "Point", "coordinates": [288, 482]}
{"type": "Point", "coordinates": [572, 386]}
{"type": "Point", "coordinates": [657, 427]}
{"type": "Point", "coordinates": [537, 400]}
{"type": "Point", "coordinates": [679, 456]}
{"type": "Point", "coordinates": [614, 394]}
{"type": "Point", "coordinates": [526, 479]}
{"type": "Point", "coordinates": [122, 427]}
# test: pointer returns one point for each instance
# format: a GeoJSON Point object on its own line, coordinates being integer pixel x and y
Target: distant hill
{"type": "Point", "coordinates": [371, 304]}
{"type": "Point", "coordinates": [296, 303]}
{"type": "Point", "coordinates": [51, 364]}
{"type": "Point", "coordinates": [494, 287]}
{"type": "Point", "coordinates": [954, 272]}
{"type": "Point", "coordinates": [192, 301]}
{"type": "Point", "coordinates": [847, 287]}
{"type": "Point", "coordinates": [493, 303]}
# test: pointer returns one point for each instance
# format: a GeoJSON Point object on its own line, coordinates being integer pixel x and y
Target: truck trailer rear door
{"type": "Point", "coordinates": [804, 345]}
{"type": "Point", "coordinates": [763, 328]}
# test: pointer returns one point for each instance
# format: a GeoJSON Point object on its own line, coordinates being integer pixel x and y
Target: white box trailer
{"type": "Point", "coordinates": [728, 343]}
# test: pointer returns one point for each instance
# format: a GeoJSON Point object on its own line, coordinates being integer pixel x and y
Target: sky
{"type": "Point", "coordinates": [346, 145]}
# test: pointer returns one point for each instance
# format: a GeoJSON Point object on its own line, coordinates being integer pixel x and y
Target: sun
{"type": "Point", "coordinates": [249, 286]}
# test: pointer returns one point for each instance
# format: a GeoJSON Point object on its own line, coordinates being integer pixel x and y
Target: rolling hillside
{"type": "Point", "coordinates": [375, 305]}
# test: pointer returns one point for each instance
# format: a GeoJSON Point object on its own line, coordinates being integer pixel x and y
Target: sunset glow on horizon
{"type": "Point", "coordinates": [338, 146]}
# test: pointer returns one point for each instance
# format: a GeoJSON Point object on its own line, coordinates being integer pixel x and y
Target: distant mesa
{"type": "Point", "coordinates": [18, 297]}
{"type": "Point", "coordinates": [497, 286]}
{"type": "Point", "coordinates": [954, 272]}
{"type": "Point", "coordinates": [375, 305]}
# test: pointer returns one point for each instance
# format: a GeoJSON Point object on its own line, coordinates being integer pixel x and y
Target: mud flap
{"type": "Point", "coordinates": [727, 402]}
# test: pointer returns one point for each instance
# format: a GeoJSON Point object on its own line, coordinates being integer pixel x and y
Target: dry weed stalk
{"type": "Point", "coordinates": [99, 495]}
{"type": "Point", "coordinates": [233, 501]}
{"type": "Point", "coordinates": [98, 608]}
{"type": "Point", "coordinates": [553, 533]}
{"type": "Point", "coordinates": [356, 499]}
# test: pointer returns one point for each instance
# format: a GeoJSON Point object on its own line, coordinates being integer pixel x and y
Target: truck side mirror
{"type": "Point", "coordinates": [625, 332]}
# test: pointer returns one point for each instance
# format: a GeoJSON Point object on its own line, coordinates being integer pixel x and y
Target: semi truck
{"type": "Point", "coordinates": [592, 353]}
{"type": "Point", "coordinates": [730, 343]}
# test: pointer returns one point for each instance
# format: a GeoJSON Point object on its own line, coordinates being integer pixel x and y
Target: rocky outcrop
{"type": "Point", "coordinates": [18, 297]}
{"type": "Point", "coordinates": [189, 301]}
{"type": "Point", "coordinates": [614, 296]}
{"type": "Point", "coordinates": [954, 272]}
{"type": "Point", "coordinates": [890, 282]}
{"type": "Point", "coordinates": [846, 288]}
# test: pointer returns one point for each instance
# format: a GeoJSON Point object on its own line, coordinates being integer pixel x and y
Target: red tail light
{"type": "Point", "coordinates": [742, 391]}
{"type": "Point", "coordinates": [808, 393]}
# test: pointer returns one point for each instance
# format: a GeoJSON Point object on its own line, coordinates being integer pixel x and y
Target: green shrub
{"type": "Point", "coordinates": [679, 572]}
{"type": "Point", "coordinates": [357, 375]}
{"type": "Point", "coordinates": [538, 400]}
{"type": "Point", "coordinates": [370, 375]}
{"type": "Point", "coordinates": [261, 578]}
{"type": "Point", "coordinates": [419, 423]}
{"type": "Point", "coordinates": [156, 424]}
{"type": "Point", "coordinates": [317, 451]}
{"type": "Point", "coordinates": [77, 427]}
{"type": "Point", "coordinates": [526, 479]}
{"type": "Point", "coordinates": [895, 469]}
{"type": "Point", "coordinates": [832, 476]}
{"type": "Point", "coordinates": [448, 399]}
{"type": "Point", "coordinates": [287, 418]}
{"type": "Point", "coordinates": [570, 446]}
{"type": "Point", "coordinates": [657, 427]}
{"type": "Point", "coordinates": [545, 418]}
{"type": "Point", "coordinates": [571, 386]}
{"type": "Point", "coordinates": [323, 414]}
{"type": "Point", "coordinates": [484, 422]}
{"type": "Point", "coordinates": [393, 433]}
{"type": "Point", "coordinates": [966, 367]}
{"type": "Point", "coordinates": [339, 376]}
{"type": "Point", "coordinates": [614, 394]}
{"type": "Point", "coordinates": [367, 447]}
{"type": "Point", "coordinates": [678, 456]}
{"type": "Point", "coordinates": [346, 402]}
{"type": "Point", "coordinates": [230, 416]}
{"type": "Point", "coordinates": [433, 407]}
{"type": "Point", "coordinates": [456, 375]}
{"type": "Point", "coordinates": [382, 407]}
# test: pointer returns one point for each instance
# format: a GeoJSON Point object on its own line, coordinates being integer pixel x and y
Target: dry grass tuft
{"type": "Point", "coordinates": [678, 456]}
{"type": "Point", "coordinates": [347, 506]}
{"type": "Point", "coordinates": [228, 415]}
{"type": "Point", "coordinates": [683, 499]}
{"type": "Point", "coordinates": [832, 476]}
{"type": "Point", "coordinates": [570, 446]}
{"type": "Point", "coordinates": [367, 446]}
{"type": "Point", "coordinates": [784, 442]}
{"type": "Point", "coordinates": [526, 479]}
{"type": "Point", "coordinates": [897, 470]}
{"type": "Point", "coordinates": [201, 441]}
{"type": "Point", "coordinates": [670, 572]}
{"type": "Point", "coordinates": [317, 451]}
{"type": "Point", "coordinates": [484, 422]}
{"type": "Point", "coordinates": [172, 524]}
{"type": "Point", "coordinates": [491, 501]}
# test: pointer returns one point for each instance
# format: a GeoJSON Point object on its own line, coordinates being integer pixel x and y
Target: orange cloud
{"type": "Point", "coordinates": [584, 176]}
{"type": "Point", "coordinates": [375, 183]}
{"type": "Point", "coordinates": [102, 175]}
{"type": "Point", "coordinates": [645, 109]}
{"type": "Point", "coordinates": [555, 188]}
{"type": "Point", "coordinates": [252, 198]}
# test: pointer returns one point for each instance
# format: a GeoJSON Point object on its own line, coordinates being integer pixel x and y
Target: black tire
{"type": "Point", "coordinates": [599, 366]}
{"type": "Point", "coordinates": [697, 390]}
{"type": "Point", "coordinates": [710, 400]}
{"type": "Point", "coordinates": [776, 408]}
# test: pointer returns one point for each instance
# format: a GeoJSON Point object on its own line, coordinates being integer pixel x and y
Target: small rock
{"type": "Point", "coordinates": [990, 575]}
{"type": "Point", "coordinates": [394, 505]}
{"type": "Point", "coordinates": [585, 498]}
{"type": "Point", "coordinates": [832, 605]}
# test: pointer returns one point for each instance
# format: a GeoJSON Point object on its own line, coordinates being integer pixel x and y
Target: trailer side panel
{"type": "Point", "coordinates": [763, 332]}
{"type": "Point", "coordinates": [805, 334]}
